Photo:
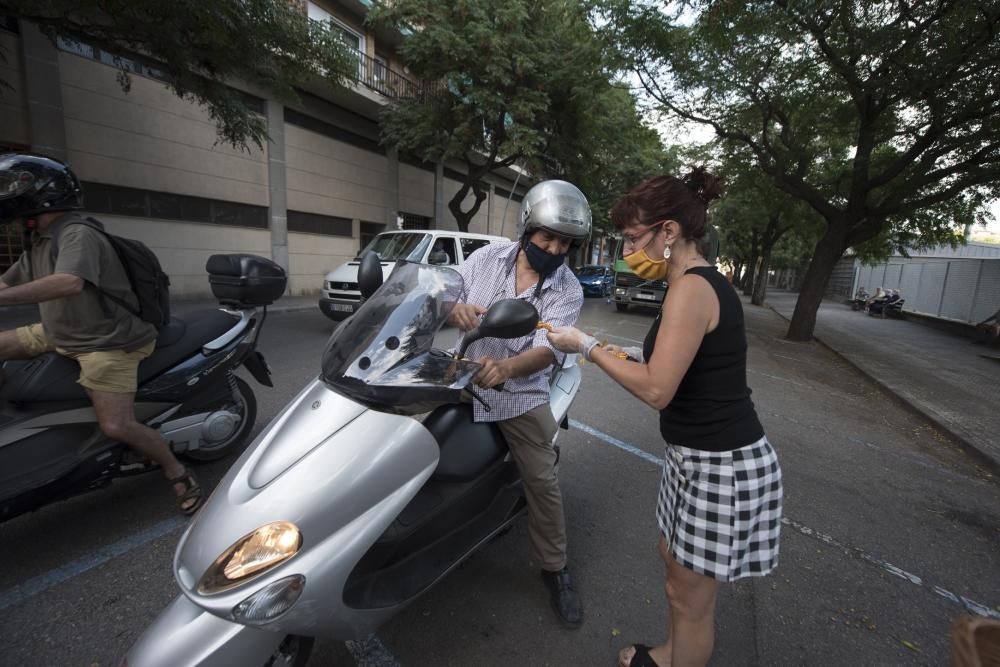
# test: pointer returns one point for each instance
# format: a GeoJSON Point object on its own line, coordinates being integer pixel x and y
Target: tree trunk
{"type": "Point", "coordinates": [463, 218]}
{"type": "Point", "coordinates": [760, 289]}
{"type": "Point", "coordinates": [737, 270]}
{"type": "Point", "coordinates": [828, 251]}
{"type": "Point", "coordinates": [751, 264]}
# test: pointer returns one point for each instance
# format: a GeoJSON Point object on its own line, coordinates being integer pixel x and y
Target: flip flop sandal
{"type": "Point", "coordinates": [641, 657]}
{"type": "Point", "coordinates": [192, 492]}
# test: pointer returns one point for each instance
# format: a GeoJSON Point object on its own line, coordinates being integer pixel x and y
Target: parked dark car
{"type": "Point", "coordinates": [594, 279]}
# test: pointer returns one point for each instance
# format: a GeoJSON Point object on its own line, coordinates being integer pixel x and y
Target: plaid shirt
{"type": "Point", "coordinates": [489, 274]}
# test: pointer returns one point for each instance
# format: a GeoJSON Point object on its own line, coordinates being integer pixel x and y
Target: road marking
{"type": "Point", "coordinates": [98, 557]}
{"type": "Point", "coordinates": [970, 606]}
{"type": "Point", "coordinates": [611, 440]}
{"type": "Point", "coordinates": [777, 377]}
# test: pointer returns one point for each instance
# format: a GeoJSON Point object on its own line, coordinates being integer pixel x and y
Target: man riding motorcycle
{"type": "Point", "coordinates": [77, 320]}
{"type": "Point", "coordinates": [554, 217]}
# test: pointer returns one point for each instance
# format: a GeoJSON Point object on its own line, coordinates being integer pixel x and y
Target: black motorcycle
{"type": "Point", "coordinates": [51, 447]}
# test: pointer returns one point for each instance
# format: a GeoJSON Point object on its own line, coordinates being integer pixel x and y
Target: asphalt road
{"type": "Point", "coordinates": [891, 531]}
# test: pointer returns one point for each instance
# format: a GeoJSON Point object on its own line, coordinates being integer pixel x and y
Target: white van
{"type": "Point", "coordinates": [426, 246]}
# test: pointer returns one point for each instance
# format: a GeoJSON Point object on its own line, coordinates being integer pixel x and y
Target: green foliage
{"type": "Point", "coordinates": [606, 150]}
{"type": "Point", "coordinates": [879, 116]}
{"type": "Point", "coordinates": [526, 82]}
{"type": "Point", "coordinates": [201, 45]}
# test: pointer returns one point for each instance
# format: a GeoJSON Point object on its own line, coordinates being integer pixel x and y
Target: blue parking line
{"type": "Point", "coordinates": [35, 585]}
{"type": "Point", "coordinates": [611, 440]}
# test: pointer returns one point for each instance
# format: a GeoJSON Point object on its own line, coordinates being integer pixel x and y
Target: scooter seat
{"type": "Point", "coordinates": [53, 377]}
{"type": "Point", "coordinates": [467, 447]}
{"type": "Point", "coordinates": [195, 330]}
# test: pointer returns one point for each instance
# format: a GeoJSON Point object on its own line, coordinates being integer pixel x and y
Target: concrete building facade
{"type": "Point", "coordinates": [152, 167]}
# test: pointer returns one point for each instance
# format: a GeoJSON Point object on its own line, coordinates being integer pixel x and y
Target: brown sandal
{"type": "Point", "coordinates": [192, 492]}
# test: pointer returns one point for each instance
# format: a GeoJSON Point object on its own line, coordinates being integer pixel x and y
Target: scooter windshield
{"type": "Point", "coordinates": [383, 354]}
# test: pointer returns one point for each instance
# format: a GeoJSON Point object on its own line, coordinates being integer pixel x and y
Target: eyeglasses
{"type": "Point", "coordinates": [630, 241]}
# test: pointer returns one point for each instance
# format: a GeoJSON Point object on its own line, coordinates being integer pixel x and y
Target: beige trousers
{"type": "Point", "coordinates": [529, 438]}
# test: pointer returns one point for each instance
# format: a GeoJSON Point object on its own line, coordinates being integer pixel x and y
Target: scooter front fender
{"type": "Point", "coordinates": [184, 634]}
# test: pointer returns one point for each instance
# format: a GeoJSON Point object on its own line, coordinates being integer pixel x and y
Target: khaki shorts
{"type": "Point", "coordinates": [114, 371]}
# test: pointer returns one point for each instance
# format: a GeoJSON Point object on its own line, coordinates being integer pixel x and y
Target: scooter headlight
{"type": "Point", "coordinates": [252, 555]}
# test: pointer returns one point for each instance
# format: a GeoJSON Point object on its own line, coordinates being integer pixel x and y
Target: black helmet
{"type": "Point", "coordinates": [31, 185]}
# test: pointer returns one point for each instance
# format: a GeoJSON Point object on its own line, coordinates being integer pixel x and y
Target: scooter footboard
{"type": "Point", "coordinates": [184, 634]}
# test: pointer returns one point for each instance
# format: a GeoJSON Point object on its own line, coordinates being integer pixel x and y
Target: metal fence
{"type": "Point", "coordinates": [377, 75]}
{"type": "Point", "coordinates": [966, 290]}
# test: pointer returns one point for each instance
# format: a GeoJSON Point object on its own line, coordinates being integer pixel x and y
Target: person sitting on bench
{"type": "Point", "coordinates": [879, 307]}
{"type": "Point", "coordinates": [860, 297]}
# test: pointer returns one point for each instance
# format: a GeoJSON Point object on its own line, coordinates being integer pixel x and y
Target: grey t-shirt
{"type": "Point", "coordinates": [84, 322]}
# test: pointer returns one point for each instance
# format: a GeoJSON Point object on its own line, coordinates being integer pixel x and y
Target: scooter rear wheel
{"type": "Point", "coordinates": [248, 412]}
{"type": "Point", "coordinates": [294, 651]}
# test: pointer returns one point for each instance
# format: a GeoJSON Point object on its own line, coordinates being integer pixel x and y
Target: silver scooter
{"type": "Point", "coordinates": [355, 499]}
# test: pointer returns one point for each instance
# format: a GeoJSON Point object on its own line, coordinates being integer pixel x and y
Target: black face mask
{"type": "Point", "coordinates": [542, 262]}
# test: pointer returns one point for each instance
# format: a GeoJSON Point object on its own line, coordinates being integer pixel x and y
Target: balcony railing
{"type": "Point", "coordinates": [378, 76]}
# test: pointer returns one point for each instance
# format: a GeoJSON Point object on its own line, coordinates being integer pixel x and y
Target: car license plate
{"type": "Point", "coordinates": [646, 296]}
{"type": "Point", "coordinates": [345, 307]}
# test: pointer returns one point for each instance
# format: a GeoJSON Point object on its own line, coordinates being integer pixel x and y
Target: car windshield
{"type": "Point", "coordinates": [406, 245]}
{"type": "Point", "coordinates": [591, 271]}
{"type": "Point", "coordinates": [384, 355]}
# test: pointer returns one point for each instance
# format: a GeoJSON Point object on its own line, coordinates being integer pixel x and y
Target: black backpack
{"type": "Point", "coordinates": [148, 281]}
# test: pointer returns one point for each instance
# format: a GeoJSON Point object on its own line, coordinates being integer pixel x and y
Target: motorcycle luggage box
{"type": "Point", "coordinates": [245, 280]}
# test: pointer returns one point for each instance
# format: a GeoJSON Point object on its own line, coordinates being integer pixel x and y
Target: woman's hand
{"type": "Point", "coordinates": [466, 316]}
{"type": "Point", "coordinates": [571, 339]}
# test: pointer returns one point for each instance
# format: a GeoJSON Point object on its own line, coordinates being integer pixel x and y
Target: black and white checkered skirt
{"type": "Point", "coordinates": [720, 512]}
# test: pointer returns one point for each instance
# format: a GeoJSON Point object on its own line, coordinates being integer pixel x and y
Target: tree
{"type": "Point", "coordinates": [879, 116]}
{"type": "Point", "coordinates": [516, 76]}
{"type": "Point", "coordinates": [755, 216]}
{"type": "Point", "coordinates": [605, 148]}
{"type": "Point", "coordinates": [201, 45]}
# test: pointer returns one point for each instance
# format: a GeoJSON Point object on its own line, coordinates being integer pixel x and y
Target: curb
{"type": "Point", "coordinates": [985, 458]}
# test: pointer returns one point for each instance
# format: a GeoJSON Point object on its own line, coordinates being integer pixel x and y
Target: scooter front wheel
{"type": "Point", "coordinates": [293, 651]}
{"type": "Point", "coordinates": [247, 409]}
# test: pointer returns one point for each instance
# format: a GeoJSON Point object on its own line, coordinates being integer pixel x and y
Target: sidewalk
{"type": "Point", "coordinates": [951, 380]}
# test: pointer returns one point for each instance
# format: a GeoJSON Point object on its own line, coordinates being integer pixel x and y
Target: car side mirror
{"type": "Point", "coordinates": [369, 274]}
{"type": "Point", "coordinates": [508, 318]}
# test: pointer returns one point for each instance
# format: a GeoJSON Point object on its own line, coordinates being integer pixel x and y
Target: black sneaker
{"type": "Point", "coordinates": [565, 600]}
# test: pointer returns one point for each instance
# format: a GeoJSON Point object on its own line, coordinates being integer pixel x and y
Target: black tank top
{"type": "Point", "coordinates": [712, 409]}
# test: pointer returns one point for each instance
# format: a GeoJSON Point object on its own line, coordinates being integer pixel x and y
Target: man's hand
{"type": "Point", "coordinates": [492, 373]}
{"type": "Point", "coordinates": [55, 286]}
{"type": "Point", "coordinates": [466, 316]}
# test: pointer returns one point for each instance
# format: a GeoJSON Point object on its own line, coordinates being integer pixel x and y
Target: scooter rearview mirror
{"type": "Point", "coordinates": [507, 318]}
{"type": "Point", "coordinates": [369, 274]}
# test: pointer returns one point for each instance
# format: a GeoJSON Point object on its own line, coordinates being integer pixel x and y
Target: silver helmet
{"type": "Point", "coordinates": [557, 206]}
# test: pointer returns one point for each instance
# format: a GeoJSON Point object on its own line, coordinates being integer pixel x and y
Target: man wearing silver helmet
{"type": "Point", "coordinates": [554, 218]}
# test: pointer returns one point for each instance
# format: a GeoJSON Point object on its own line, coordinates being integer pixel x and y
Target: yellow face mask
{"type": "Point", "coordinates": [646, 268]}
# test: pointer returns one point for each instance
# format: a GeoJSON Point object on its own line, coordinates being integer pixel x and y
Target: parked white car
{"type": "Point", "coordinates": [426, 246]}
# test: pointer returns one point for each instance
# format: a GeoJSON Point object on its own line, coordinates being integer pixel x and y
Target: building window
{"type": "Point", "coordinates": [348, 35]}
{"type": "Point", "coordinates": [414, 221]}
{"type": "Point", "coordinates": [10, 246]}
{"type": "Point", "coordinates": [138, 203]}
{"type": "Point", "coordinates": [313, 223]}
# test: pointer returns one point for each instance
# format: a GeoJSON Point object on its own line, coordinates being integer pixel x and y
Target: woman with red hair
{"type": "Point", "coordinates": [719, 506]}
